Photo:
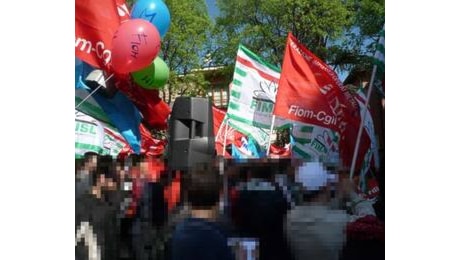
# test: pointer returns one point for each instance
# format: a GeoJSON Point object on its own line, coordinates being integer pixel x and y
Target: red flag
{"type": "Point", "coordinates": [280, 152]}
{"type": "Point", "coordinates": [95, 24]}
{"type": "Point", "coordinates": [150, 146]}
{"type": "Point", "coordinates": [218, 121]}
{"type": "Point", "coordinates": [154, 110]}
{"type": "Point", "coordinates": [310, 92]}
{"type": "Point", "coordinates": [119, 138]}
{"type": "Point", "coordinates": [237, 137]}
{"type": "Point", "coordinates": [172, 193]}
{"type": "Point", "coordinates": [218, 118]}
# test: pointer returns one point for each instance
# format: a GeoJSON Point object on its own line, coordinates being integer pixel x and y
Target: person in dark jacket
{"type": "Point", "coordinates": [259, 212]}
{"type": "Point", "coordinates": [95, 216]}
{"type": "Point", "coordinates": [201, 236]}
{"type": "Point", "coordinates": [84, 172]}
{"type": "Point", "coordinates": [150, 217]}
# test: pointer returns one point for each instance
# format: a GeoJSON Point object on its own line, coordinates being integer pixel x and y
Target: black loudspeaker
{"type": "Point", "coordinates": [98, 79]}
{"type": "Point", "coordinates": [191, 133]}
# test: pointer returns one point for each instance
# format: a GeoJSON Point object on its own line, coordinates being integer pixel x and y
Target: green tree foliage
{"type": "Point", "coordinates": [183, 46]}
{"type": "Point", "coordinates": [130, 3]}
{"type": "Point", "coordinates": [357, 44]}
{"type": "Point", "coordinates": [264, 25]}
{"type": "Point", "coordinates": [337, 31]}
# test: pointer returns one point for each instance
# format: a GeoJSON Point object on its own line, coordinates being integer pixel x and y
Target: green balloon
{"type": "Point", "coordinates": [153, 76]}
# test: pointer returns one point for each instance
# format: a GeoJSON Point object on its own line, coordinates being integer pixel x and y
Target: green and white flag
{"type": "Point", "coordinates": [112, 142]}
{"type": "Point", "coordinates": [89, 135]}
{"type": "Point", "coordinates": [314, 143]}
{"type": "Point", "coordinates": [92, 135]}
{"type": "Point", "coordinates": [368, 125]}
{"type": "Point", "coordinates": [253, 89]}
{"type": "Point", "coordinates": [260, 135]}
{"type": "Point", "coordinates": [90, 106]}
{"type": "Point", "coordinates": [371, 157]}
{"type": "Point", "coordinates": [252, 95]}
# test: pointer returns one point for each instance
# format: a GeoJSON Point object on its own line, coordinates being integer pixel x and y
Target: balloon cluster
{"type": "Point", "coordinates": [137, 42]}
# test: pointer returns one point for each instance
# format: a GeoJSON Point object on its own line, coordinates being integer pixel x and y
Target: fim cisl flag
{"type": "Point", "coordinates": [310, 92]}
{"type": "Point", "coordinates": [89, 135]}
{"type": "Point", "coordinates": [253, 90]}
{"type": "Point", "coordinates": [252, 95]}
{"type": "Point", "coordinates": [314, 143]}
{"type": "Point", "coordinates": [92, 135]}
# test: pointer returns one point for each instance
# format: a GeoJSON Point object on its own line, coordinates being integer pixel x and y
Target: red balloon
{"type": "Point", "coordinates": [135, 45]}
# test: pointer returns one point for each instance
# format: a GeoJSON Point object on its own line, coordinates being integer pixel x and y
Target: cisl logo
{"type": "Point", "coordinates": [85, 128]}
{"type": "Point", "coordinates": [267, 91]}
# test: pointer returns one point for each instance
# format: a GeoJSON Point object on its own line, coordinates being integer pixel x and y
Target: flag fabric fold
{"type": "Point", "coordinates": [154, 110]}
{"type": "Point", "coordinates": [119, 111]}
{"type": "Point", "coordinates": [280, 152]}
{"type": "Point", "coordinates": [114, 143]}
{"type": "Point", "coordinates": [221, 128]}
{"type": "Point", "coordinates": [90, 106]}
{"type": "Point", "coordinates": [124, 115]}
{"type": "Point", "coordinates": [247, 149]}
{"type": "Point", "coordinates": [150, 146]}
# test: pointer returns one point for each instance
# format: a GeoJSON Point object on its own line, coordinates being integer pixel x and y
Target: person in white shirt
{"type": "Point", "coordinates": [314, 229]}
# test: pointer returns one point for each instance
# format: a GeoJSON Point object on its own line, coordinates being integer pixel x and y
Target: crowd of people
{"type": "Point", "coordinates": [135, 208]}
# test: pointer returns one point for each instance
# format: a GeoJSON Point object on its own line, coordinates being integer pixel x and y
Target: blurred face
{"type": "Point", "coordinates": [91, 163]}
{"type": "Point", "coordinates": [111, 184]}
{"type": "Point", "coordinates": [121, 173]}
{"type": "Point", "coordinates": [107, 183]}
{"type": "Point", "coordinates": [144, 167]}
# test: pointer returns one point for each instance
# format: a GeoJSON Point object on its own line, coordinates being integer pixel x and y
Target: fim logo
{"type": "Point", "coordinates": [263, 98]}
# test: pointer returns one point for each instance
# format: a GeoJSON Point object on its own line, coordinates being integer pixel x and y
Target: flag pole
{"type": "Point", "coordinates": [225, 137]}
{"type": "Point", "coordinates": [270, 135]}
{"type": "Point", "coordinates": [220, 127]}
{"type": "Point", "coordinates": [361, 125]}
{"type": "Point", "coordinates": [94, 91]}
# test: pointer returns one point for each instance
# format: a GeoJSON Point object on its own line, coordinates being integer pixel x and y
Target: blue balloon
{"type": "Point", "coordinates": [154, 11]}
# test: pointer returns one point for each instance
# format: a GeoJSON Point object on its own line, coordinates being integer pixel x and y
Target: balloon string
{"type": "Point", "coordinates": [94, 91]}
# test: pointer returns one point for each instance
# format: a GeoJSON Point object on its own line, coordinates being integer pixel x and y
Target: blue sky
{"type": "Point", "coordinates": [212, 8]}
